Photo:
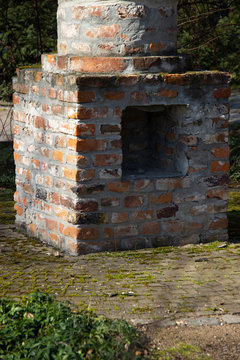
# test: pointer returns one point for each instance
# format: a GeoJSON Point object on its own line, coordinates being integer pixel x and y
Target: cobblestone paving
{"type": "Point", "coordinates": [160, 284]}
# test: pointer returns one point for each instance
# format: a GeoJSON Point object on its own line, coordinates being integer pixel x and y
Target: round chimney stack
{"type": "Point", "coordinates": [117, 28]}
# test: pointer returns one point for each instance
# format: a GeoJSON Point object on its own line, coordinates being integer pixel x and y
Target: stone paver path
{"type": "Point", "coordinates": [142, 286]}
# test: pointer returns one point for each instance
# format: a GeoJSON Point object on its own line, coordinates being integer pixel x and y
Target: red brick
{"type": "Point", "coordinates": [58, 155]}
{"type": "Point", "coordinates": [16, 130]}
{"type": "Point", "coordinates": [222, 152]}
{"type": "Point", "coordinates": [160, 199]}
{"type": "Point", "coordinates": [38, 76]}
{"type": "Point", "coordinates": [141, 185]}
{"type": "Point", "coordinates": [167, 93]}
{"type": "Point", "coordinates": [87, 205]}
{"type": "Point", "coordinates": [107, 159]}
{"type": "Point", "coordinates": [59, 80]}
{"type": "Point", "coordinates": [121, 186]}
{"type": "Point", "coordinates": [62, 62]}
{"type": "Point", "coordinates": [156, 47]}
{"type": "Point", "coordinates": [169, 211]}
{"type": "Point", "coordinates": [143, 215]}
{"type": "Point", "coordinates": [109, 233]}
{"type": "Point", "coordinates": [97, 65]}
{"type": "Point", "coordinates": [83, 145]}
{"type": "Point", "coordinates": [51, 59]}
{"type": "Point", "coordinates": [17, 158]}
{"type": "Point", "coordinates": [84, 130]}
{"type": "Point", "coordinates": [76, 160]}
{"type": "Point", "coordinates": [18, 209]}
{"type": "Point", "coordinates": [116, 144]}
{"type": "Point", "coordinates": [51, 224]}
{"type": "Point", "coordinates": [16, 99]}
{"type": "Point", "coordinates": [54, 198]}
{"type": "Point", "coordinates": [83, 12]}
{"type": "Point", "coordinates": [52, 93]}
{"type": "Point", "coordinates": [61, 213]}
{"type": "Point", "coordinates": [83, 113]}
{"type": "Point", "coordinates": [151, 228]}
{"type": "Point", "coordinates": [114, 95]}
{"type": "Point", "coordinates": [54, 237]}
{"type": "Point", "coordinates": [36, 164]}
{"type": "Point", "coordinates": [33, 229]}
{"type": "Point", "coordinates": [118, 218]}
{"type": "Point", "coordinates": [39, 122]}
{"type": "Point", "coordinates": [174, 226]}
{"type": "Point", "coordinates": [220, 224]}
{"type": "Point", "coordinates": [217, 166]}
{"type": "Point", "coordinates": [222, 93]}
{"type": "Point", "coordinates": [134, 201]}
{"type": "Point", "coordinates": [127, 230]}
{"type": "Point", "coordinates": [194, 226]}
{"type": "Point", "coordinates": [78, 175]}
{"type": "Point", "coordinates": [139, 96]}
{"type": "Point", "coordinates": [106, 32]}
{"type": "Point", "coordinates": [35, 89]}
{"type": "Point", "coordinates": [110, 202]}
{"type": "Point", "coordinates": [221, 194]}
{"type": "Point", "coordinates": [45, 108]}
{"type": "Point", "coordinates": [110, 129]}
{"type": "Point", "coordinates": [19, 116]}
{"type": "Point", "coordinates": [61, 141]}
{"type": "Point", "coordinates": [81, 233]}
{"type": "Point", "coordinates": [57, 109]}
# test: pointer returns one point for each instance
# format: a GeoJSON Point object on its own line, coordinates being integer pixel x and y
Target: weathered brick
{"type": "Point", "coordinates": [114, 95]}
{"type": "Point", "coordinates": [51, 224]}
{"type": "Point", "coordinates": [169, 211]}
{"type": "Point", "coordinates": [18, 209]}
{"type": "Point", "coordinates": [107, 159]}
{"type": "Point", "coordinates": [60, 212]}
{"type": "Point", "coordinates": [151, 228]}
{"type": "Point", "coordinates": [134, 201]}
{"type": "Point", "coordinates": [105, 31]}
{"type": "Point", "coordinates": [16, 99]}
{"type": "Point", "coordinates": [160, 199]}
{"type": "Point", "coordinates": [109, 233]}
{"type": "Point", "coordinates": [127, 230]}
{"type": "Point", "coordinates": [143, 215]}
{"type": "Point", "coordinates": [110, 129]}
{"type": "Point", "coordinates": [87, 205]}
{"type": "Point", "coordinates": [58, 155]}
{"type": "Point", "coordinates": [167, 93]}
{"type": "Point", "coordinates": [110, 202]}
{"type": "Point", "coordinates": [54, 197]}
{"type": "Point", "coordinates": [217, 166]}
{"type": "Point", "coordinates": [79, 175]}
{"type": "Point", "coordinates": [96, 65]}
{"type": "Point", "coordinates": [221, 194]}
{"type": "Point", "coordinates": [118, 218]}
{"type": "Point", "coordinates": [39, 122]}
{"type": "Point", "coordinates": [222, 152]}
{"type": "Point", "coordinates": [83, 145]}
{"type": "Point", "coordinates": [79, 160]}
{"type": "Point", "coordinates": [121, 186]}
{"type": "Point", "coordinates": [222, 93]}
{"type": "Point", "coordinates": [219, 224]}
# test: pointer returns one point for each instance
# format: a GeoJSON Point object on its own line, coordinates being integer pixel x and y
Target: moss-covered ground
{"type": "Point", "coordinates": [140, 286]}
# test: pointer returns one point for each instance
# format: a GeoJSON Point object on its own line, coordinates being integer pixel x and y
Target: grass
{"type": "Point", "coordinates": [39, 327]}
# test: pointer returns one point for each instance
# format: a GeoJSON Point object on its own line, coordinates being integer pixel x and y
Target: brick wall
{"type": "Point", "coordinates": [74, 189]}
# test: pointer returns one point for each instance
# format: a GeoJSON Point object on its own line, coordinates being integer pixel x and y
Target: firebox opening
{"type": "Point", "coordinates": [150, 143]}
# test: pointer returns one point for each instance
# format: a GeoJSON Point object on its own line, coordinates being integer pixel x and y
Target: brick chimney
{"type": "Point", "coordinates": [117, 146]}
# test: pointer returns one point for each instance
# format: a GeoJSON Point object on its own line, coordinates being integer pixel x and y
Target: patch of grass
{"type": "Point", "coordinates": [39, 327]}
{"type": "Point", "coordinates": [182, 351]}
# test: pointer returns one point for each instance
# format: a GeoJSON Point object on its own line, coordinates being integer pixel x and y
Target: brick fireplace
{"type": "Point", "coordinates": [118, 143]}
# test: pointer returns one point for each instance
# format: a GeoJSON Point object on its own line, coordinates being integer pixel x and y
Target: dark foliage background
{"type": "Point", "coordinates": [209, 30]}
{"type": "Point", "coordinates": [27, 29]}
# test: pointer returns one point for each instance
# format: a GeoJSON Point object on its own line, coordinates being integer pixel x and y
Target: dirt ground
{"type": "Point", "coordinates": [206, 342]}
